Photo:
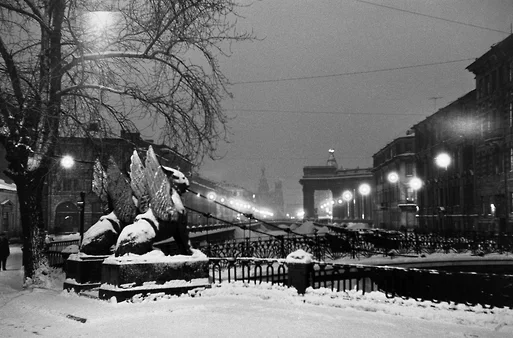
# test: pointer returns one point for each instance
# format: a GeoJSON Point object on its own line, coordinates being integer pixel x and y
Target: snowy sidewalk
{"type": "Point", "coordinates": [13, 276]}
{"type": "Point", "coordinates": [237, 310]}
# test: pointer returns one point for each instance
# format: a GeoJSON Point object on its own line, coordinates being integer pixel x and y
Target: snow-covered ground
{"type": "Point", "coordinates": [237, 310]}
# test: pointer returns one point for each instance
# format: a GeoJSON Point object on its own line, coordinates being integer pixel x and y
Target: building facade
{"type": "Point", "coordinates": [10, 222]}
{"type": "Point", "coordinates": [494, 140]}
{"type": "Point", "coordinates": [396, 183]}
{"type": "Point", "coordinates": [447, 200]}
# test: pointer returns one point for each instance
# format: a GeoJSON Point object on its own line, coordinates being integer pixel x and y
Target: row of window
{"type": "Point", "coordinates": [492, 163]}
{"type": "Point", "coordinates": [489, 83]}
{"type": "Point", "coordinates": [393, 195]}
{"type": "Point", "coordinates": [393, 150]}
{"type": "Point", "coordinates": [72, 184]}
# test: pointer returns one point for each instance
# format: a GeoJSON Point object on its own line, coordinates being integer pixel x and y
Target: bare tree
{"type": "Point", "coordinates": [66, 63]}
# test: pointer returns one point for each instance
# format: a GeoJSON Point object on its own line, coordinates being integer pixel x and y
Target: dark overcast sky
{"type": "Point", "coordinates": [286, 125]}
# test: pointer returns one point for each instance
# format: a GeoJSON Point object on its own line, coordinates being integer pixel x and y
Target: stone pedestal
{"type": "Point", "coordinates": [123, 278]}
{"type": "Point", "coordinates": [83, 272]}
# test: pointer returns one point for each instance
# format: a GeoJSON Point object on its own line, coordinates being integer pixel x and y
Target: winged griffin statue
{"type": "Point", "coordinates": [140, 210]}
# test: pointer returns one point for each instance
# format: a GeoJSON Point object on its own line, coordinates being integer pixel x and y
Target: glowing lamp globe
{"type": "Point", "coordinates": [443, 160]}
{"type": "Point", "coordinates": [393, 177]}
{"type": "Point", "coordinates": [347, 196]}
{"type": "Point", "coordinates": [415, 183]}
{"type": "Point", "coordinates": [364, 189]}
{"type": "Point", "coordinates": [67, 162]}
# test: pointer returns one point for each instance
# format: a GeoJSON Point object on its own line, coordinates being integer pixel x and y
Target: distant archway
{"type": "Point", "coordinates": [66, 218]}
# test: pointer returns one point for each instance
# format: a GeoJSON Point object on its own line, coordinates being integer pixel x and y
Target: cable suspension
{"type": "Point", "coordinates": [209, 215]}
{"type": "Point", "coordinates": [247, 215]}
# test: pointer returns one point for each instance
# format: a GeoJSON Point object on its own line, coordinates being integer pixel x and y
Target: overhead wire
{"type": "Point", "coordinates": [322, 112]}
{"type": "Point", "coordinates": [432, 16]}
{"type": "Point", "coordinates": [352, 73]}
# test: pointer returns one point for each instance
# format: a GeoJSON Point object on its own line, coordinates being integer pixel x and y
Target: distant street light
{"type": "Point", "coordinates": [364, 189]}
{"type": "Point", "coordinates": [443, 160]}
{"type": "Point", "coordinates": [347, 195]}
{"type": "Point", "coordinates": [393, 177]}
{"type": "Point", "coordinates": [415, 183]}
{"type": "Point", "coordinates": [67, 161]}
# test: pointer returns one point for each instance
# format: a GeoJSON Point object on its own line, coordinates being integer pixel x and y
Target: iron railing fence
{"type": "Point", "coordinates": [469, 288]}
{"type": "Point", "coordinates": [54, 251]}
{"type": "Point", "coordinates": [488, 290]}
{"type": "Point", "coordinates": [332, 246]}
{"type": "Point", "coordinates": [272, 247]}
{"type": "Point", "coordinates": [248, 270]}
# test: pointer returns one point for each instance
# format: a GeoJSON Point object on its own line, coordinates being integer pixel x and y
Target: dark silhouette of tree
{"type": "Point", "coordinates": [68, 65]}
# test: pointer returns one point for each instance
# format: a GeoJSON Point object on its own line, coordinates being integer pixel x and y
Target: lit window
{"type": "Point", "coordinates": [409, 169]}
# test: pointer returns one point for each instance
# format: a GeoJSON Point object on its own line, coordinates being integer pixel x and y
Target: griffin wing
{"type": "Point", "coordinates": [159, 189]}
{"type": "Point", "coordinates": [138, 182]}
{"type": "Point", "coordinates": [99, 185]}
{"type": "Point", "coordinates": [121, 193]}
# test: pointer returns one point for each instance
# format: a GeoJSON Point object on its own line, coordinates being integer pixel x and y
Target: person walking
{"type": "Point", "coordinates": [4, 250]}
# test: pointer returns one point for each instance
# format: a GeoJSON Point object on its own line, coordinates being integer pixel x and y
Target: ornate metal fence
{"type": "Point", "coordinates": [356, 245]}
{"type": "Point", "coordinates": [489, 290]}
{"type": "Point", "coordinates": [54, 251]}
{"type": "Point", "coordinates": [352, 244]}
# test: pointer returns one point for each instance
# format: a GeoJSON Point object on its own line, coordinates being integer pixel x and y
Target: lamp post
{"type": "Point", "coordinates": [81, 204]}
{"type": "Point", "coordinates": [364, 189]}
{"type": "Point", "coordinates": [211, 196]}
{"type": "Point", "coordinates": [415, 184]}
{"type": "Point", "coordinates": [347, 196]}
{"type": "Point", "coordinates": [393, 178]}
{"type": "Point", "coordinates": [443, 160]}
{"type": "Point", "coordinates": [67, 162]}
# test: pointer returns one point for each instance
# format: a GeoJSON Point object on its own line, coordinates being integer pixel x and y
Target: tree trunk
{"type": "Point", "coordinates": [30, 193]}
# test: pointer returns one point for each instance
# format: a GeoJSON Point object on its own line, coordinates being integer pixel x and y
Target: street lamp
{"type": "Point", "coordinates": [67, 161]}
{"type": "Point", "coordinates": [443, 160]}
{"type": "Point", "coordinates": [347, 196]}
{"type": "Point", "coordinates": [393, 177]}
{"type": "Point", "coordinates": [364, 189]}
{"type": "Point", "coordinates": [211, 196]}
{"type": "Point", "coordinates": [415, 183]}
{"type": "Point", "coordinates": [81, 204]}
